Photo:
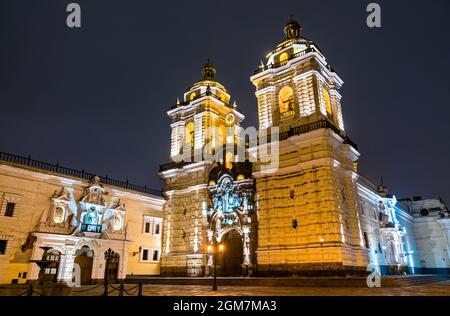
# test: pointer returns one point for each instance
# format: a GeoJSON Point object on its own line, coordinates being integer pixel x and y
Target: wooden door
{"type": "Point", "coordinates": [113, 271]}
{"type": "Point", "coordinates": [85, 262]}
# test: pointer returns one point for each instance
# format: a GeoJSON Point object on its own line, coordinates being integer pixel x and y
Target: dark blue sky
{"type": "Point", "coordinates": [96, 97]}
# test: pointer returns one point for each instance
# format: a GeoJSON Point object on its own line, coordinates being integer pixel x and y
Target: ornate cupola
{"type": "Point", "coordinates": [296, 86]}
{"type": "Point", "coordinates": [292, 29]}
{"type": "Point", "coordinates": [208, 71]}
{"type": "Point", "coordinates": [203, 116]}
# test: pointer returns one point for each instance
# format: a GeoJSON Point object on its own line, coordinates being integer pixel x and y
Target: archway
{"type": "Point", "coordinates": [85, 259]}
{"type": "Point", "coordinates": [231, 259]}
{"type": "Point", "coordinates": [112, 270]}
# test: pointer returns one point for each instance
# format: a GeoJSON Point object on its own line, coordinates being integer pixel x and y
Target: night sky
{"type": "Point", "coordinates": [96, 97]}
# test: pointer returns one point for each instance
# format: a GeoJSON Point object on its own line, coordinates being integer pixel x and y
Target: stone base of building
{"type": "Point", "coordinates": [309, 269]}
{"type": "Point", "coordinates": [175, 271]}
{"type": "Point", "coordinates": [282, 270]}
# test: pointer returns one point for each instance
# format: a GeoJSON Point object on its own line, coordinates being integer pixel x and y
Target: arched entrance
{"type": "Point", "coordinates": [85, 259]}
{"type": "Point", "coordinates": [231, 259]}
{"type": "Point", "coordinates": [112, 270]}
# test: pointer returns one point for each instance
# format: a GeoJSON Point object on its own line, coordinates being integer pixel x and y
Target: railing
{"type": "Point", "coordinates": [284, 62]}
{"type": "Point", "coordinates": [91, 228]}
{"type": "Point", "coordinates": [27, 161]}
{"type": "Point", "coordinates": [301, 129]}
{"type": "Point", "coordinates": [206, 93]}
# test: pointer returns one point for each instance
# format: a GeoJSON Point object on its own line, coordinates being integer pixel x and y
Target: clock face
{"type": "Point", "coordinates": [229, 119]}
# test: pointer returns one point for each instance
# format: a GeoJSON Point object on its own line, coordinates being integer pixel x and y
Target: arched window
{"type": "Point", "coordinates": [284, 58]}
{"type": "Point", "coordinates": [58, 216]}
{"type": "Point", "coordinates": [190, 134]}
{"type": "Point", "coordinates": [192, 96]}
{"type": "Point", "coordinates": [223, 134]}
{"type": "Point", "coordinates": [286, 102]}
{"type": "Point", "coordinates": [326, 98]}
{"type": "Point", "coordinates": [116, 222]}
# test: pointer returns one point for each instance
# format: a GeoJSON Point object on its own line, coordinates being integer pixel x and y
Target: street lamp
{"type": "Point", "coordinates": [110, 255]}
{"type": "Point", "coordinates": [214, 249]}
{"type": "Point", "coordinates": [137, 252]}
{"type": "Point", "coordinates": [321, 251]}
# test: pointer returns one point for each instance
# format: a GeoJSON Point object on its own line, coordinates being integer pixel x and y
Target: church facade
{"type": "Point", "coordinates": [305, 211]}
{"type": "Point", "coordinates": [283, 199]}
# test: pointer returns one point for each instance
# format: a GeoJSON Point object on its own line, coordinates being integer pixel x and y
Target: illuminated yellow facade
{"type": "Point", "coordinates": [216, 122]}
{"type": "Point", "coordinates": [77, 219]}
{"type": "Point", "coordinates": [307, 216]}
{"type": "Point", "coordinates": [302, 212]}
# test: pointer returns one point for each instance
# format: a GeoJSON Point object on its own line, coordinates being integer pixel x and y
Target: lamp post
{"type": "Point", "coordinates": [321, 252]}
{"type": "Point", "coordinates": [215, 248]}
{"type": "Point", "coordinates": [109, 256]}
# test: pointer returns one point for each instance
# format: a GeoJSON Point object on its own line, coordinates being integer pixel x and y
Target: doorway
{"type": "Point", "coordinates": [85, 259]}
{"type": "Point", "coordinates": [231, 259]}
{"type": "Point", "coordinates": [113, 270]}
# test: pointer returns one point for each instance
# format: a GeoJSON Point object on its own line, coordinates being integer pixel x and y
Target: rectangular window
{"type": "Point", "coordinates": [152, 225]}
{"type": "Point", "coordinates": [24, 275]}
{"type": "Point", "coordinates": [149, 255]}
{"type": "Point", "coordinates": [379, 248]}
{"type": "Point", "coordinates": [145, 255]}
{"type": "Point", "coordinates": [155, 255]}
{"type": "Point", "coordinates": [3, 244]}
{"type": "Point", "coordinates": [366, 240]}
{"type": "Point", "coordinates": [10, 209]}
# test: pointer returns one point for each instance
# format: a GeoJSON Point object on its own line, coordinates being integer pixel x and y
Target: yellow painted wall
{"type": "Point", "coordinates": [33, 190]}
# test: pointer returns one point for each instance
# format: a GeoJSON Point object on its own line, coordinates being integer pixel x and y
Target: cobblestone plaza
{"type": "Point", "coordinates": [433, 289]}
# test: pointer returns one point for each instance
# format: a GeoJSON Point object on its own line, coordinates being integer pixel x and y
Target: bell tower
{"type": "Point", "coordinates": [208, 194]}
{"type": "Point", "coordinates": [307, 215]}
{"type": "Point", "coordinates": [297, 86]}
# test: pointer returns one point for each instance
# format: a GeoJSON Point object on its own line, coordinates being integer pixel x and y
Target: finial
{"type": "Point", "coordinates": [292, 28]}
{"type": "Point", "coordinates": [178, 101]}
{"type": "Point", "coordinates": [234, 104]}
